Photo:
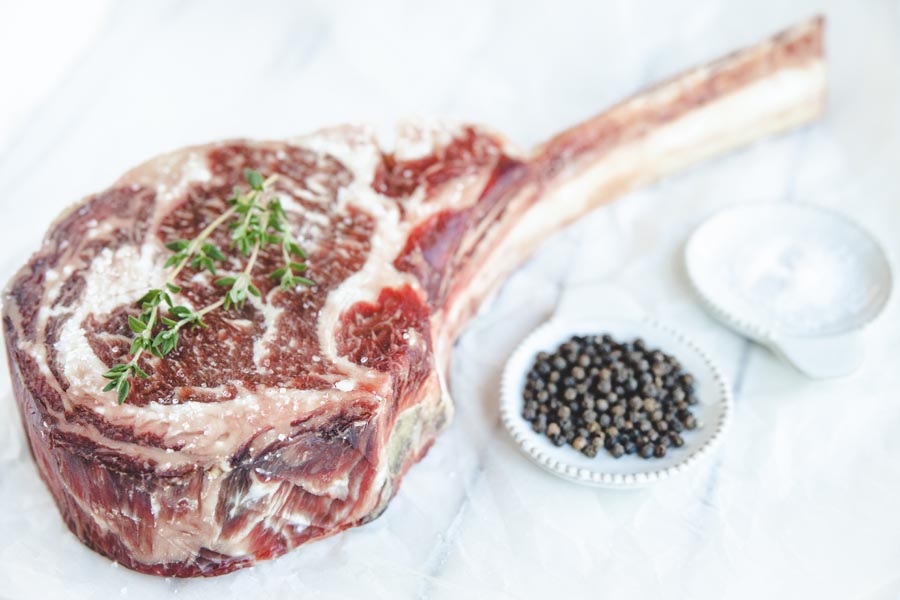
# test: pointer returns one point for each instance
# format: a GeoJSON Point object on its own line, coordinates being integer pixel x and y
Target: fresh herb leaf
{"type": "Point", "coordinates": [136, 325]}
{"type": "Point", "coordinates": [178, 245]}
{"type": "Point", "coordinates": [122, 388]}
{"type": "Point", "coordinates": [296, 250]}
{"type": "Point", "coordinates": [255, 179]}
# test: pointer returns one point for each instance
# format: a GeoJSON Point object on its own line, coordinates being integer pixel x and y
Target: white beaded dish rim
{"type": "Point", "coordinates": [531, 442]}
{"type": "Point", "coordinates": [752, 327]}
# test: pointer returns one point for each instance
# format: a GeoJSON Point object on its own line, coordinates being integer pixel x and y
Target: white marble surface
{"type": "Point", "coordinates": [801, 499]}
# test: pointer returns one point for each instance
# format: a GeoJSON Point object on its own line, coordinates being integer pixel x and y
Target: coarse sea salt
{"type": "Point", "coordinates": [345, 385]}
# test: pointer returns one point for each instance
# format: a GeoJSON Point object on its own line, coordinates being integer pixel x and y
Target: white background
{"type": "Point", "coordinates": [801, 499]}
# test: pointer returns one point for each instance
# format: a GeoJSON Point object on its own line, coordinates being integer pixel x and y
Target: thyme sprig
{"type": "Point", "coordinates": [286, 275]}
{"type": "Point", "coordinates": [256, 225]}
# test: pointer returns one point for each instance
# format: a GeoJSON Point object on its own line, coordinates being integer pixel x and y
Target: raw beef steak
{"type": "Point", "coordinates": [296, 416]}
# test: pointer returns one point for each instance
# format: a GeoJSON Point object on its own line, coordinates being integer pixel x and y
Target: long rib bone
{"type": "Point", "coordinates": [765, 89]}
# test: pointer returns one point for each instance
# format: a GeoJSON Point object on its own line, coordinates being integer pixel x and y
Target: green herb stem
{"type": "Point", "coordinates": [256, 226]}
{"type": "Point", "coordinates": [173, 275]}
{"type": "Point", "coordinates": [197, 242]}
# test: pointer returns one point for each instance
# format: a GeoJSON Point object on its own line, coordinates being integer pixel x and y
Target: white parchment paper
{"type": "Point", "coordinates": [801, 499]}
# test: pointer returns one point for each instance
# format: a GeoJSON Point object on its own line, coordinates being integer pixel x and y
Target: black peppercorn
{"type": "Point", "coordinates": [593, 392]}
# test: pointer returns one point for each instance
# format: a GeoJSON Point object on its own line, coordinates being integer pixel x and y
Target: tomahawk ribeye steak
{"type": "Point", "coordinates": [296, 416]}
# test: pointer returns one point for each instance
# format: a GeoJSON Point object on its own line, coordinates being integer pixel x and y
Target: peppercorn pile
{"type": "Point", "coordinates": [594, 392]}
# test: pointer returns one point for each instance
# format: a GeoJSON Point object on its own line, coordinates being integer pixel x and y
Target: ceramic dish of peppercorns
{"type": "Point", "coordinates": [613, 403]}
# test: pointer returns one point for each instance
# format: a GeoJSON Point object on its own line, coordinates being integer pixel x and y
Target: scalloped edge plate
{"type": "Point", "coordinates": [836, 351]}
{"type": "Point", "coordinates": [630, 471]}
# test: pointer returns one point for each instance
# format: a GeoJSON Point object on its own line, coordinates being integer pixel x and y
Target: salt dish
{"type": "Point", "coordinates": [800, 279]}
{"type": "Point", "coordinates": [712, 409]}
